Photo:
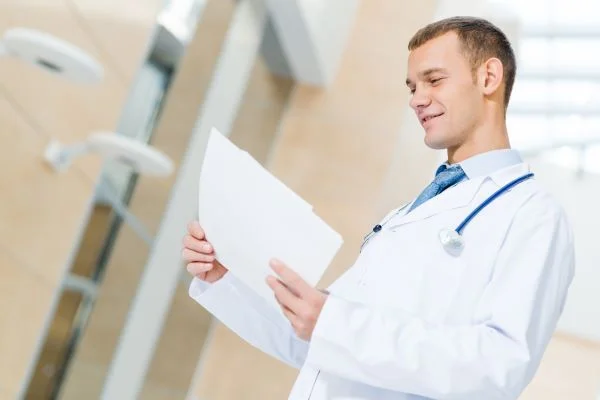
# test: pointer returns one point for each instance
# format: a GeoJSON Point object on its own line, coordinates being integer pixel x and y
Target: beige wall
{"type": "Point", "coordinates": [41, 213]}
{"type": "Point", "coordinates": [570, 370]}
{"type": "Point", "coordinates": [334, 148]}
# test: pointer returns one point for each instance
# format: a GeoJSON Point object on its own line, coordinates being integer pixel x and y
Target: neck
{"type": "Point", "coordinates": [489, 135]}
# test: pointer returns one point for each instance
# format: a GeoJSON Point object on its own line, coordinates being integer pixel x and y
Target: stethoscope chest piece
{"type": "Point", "coordinates": [452, 241]}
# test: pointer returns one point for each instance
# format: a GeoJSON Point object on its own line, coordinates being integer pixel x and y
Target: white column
{"type": "Point", "coordinates": [158, 284]}
{"type": "Point", "coordinates": [313, 34]}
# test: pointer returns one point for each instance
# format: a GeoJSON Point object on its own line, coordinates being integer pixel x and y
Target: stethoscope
{"type": "Point", "coordinates": [451, 239]}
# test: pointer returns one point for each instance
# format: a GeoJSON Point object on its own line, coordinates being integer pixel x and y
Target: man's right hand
{"type": "Point", "coordinates": [199, 255]}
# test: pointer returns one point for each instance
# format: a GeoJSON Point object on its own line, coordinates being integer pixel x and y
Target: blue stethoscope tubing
{"type": "Point", "coordinates": [455, 240]}
{"type": "Point", "coordinates": [493, 197]}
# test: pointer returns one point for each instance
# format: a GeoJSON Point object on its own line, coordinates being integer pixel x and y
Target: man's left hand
{"type": "Point", "coordinates": [301, 303]}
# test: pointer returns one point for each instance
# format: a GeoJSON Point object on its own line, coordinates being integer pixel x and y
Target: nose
{"type": "Point", "coordinates": [420, 99]}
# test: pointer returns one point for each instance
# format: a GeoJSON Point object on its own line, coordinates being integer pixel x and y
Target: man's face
{"type": "Point", "coordinates": [444, 96]}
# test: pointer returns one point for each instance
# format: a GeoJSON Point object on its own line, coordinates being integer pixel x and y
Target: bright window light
{"type": "Point", "coordinates": [556, 98]}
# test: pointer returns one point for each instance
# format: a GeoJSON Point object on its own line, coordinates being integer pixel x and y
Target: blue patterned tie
{"type": "Point", "coordinates": [444, 178]}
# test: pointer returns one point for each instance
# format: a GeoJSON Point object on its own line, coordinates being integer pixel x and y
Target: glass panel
{"type": "Point", "coordinates": [528, 131]}
{"type": "Point", "coordinates": [564, 55]}
{"type": "Point", "coordinates": [560, 54]}
{"type": "Point", "coordinates": [563, 13]}
{"type": "Point", "coordinates": [533, 12]}
{"type": "Point", "coordinates": [592, 159]}
{"type": "Point", "coordinates": [560, 93]}
{"type": "Point", "coordinates": [543, 130]}
{"type": "Point", "coordinates": [575, 13]}
{"type": "Point", "coordinates": [575, 158]}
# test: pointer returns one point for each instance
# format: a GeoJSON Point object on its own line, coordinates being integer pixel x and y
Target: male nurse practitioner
{"type": "Point", "coordinates": [412, 318]}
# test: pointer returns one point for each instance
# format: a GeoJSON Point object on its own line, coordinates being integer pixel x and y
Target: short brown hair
{"type": "Point", "coordinates": [480, 40]}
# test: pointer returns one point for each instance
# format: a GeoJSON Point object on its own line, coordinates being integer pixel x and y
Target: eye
{"type": "Point", "coordinates": [435, 81]}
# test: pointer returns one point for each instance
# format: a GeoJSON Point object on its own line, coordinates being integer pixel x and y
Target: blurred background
{"type": "Point", "coordinates": [93, 294]}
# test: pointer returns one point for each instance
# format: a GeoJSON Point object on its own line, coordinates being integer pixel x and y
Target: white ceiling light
{"type": "Point", "coordinates": [142, 157]}
{"type": "Point", "coordinates": [51, 54]}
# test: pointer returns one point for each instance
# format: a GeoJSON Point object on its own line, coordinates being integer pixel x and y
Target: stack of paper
{"type": "Point", "coordinates": [250, 217]}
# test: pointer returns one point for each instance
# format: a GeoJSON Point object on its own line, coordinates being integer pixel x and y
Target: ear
{"type": "Point", "coordinates": [491, 74]}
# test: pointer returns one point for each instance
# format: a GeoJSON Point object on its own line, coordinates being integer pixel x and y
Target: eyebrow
{"type": "Point", "coordinates": [427, 73]}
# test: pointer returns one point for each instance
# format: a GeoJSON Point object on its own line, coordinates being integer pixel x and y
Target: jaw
{"type": "Point", "coordinates": [434, 143]}
{"type": "Point", "coordinates": [437, 133]}
{"type": "Point", "coordinates": [457, 147]}
{"type": "Point", "coordinates": [459, 138]}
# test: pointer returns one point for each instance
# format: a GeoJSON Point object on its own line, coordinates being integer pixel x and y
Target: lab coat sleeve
{"type": "Point", "coordinates": [250, 317]}
{"type": "Point", "coordinates": [494, 358]}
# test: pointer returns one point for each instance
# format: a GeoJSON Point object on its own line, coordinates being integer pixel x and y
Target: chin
{"type": "Point", "coordinates": [435, 143]}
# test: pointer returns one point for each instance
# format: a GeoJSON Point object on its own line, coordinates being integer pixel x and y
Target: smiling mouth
{"type": "Point", "coordinates": [430, 117]}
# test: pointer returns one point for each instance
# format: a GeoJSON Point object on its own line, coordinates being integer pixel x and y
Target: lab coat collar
{"type": "Point", "coordinates": [505, 175]}
{"type": "Point", "coordinates": [462, 194]}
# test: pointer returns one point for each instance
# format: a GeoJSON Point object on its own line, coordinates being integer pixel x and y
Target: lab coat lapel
{"type": "Point", "coordinates": [460, 195]}
{"type": "Point", "coordinates": [454, 197]}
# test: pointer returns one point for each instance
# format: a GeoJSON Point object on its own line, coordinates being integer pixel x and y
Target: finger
{"type": "Point", "coordinates": [293, 318]}
{"type": "Point", "coordinates": [296, 294]}
{"type": "Point", "coordinates": [211, 276]}
{"type": "Point", "coordinates": [197, 268]}
{"type": "Point", "coordinates": [283, 295]}
{"type": "Point", "coordinates": [196, 230]}
{"type": "Point", "coordinates": [291, 278]}
{"type": "Point", "coordinates": [193, 256]}
{"type": "Point", "coordinates": [291, 289]}
{"type": "Point", "coordinates": [289, 314]}
{"type": "Point", "coordinates": [201, 246]}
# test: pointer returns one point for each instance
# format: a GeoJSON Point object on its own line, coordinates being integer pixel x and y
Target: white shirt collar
{"type": "Point", "coordinates": [491, 161]}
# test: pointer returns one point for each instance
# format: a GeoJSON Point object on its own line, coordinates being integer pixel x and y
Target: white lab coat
{"type": "Point", "coordinates": [410, 321]}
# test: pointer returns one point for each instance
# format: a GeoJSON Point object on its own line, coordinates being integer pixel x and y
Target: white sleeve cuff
{"type": "Point", "coordinates": [199, 289]}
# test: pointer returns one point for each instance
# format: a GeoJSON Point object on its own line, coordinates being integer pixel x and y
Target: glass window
{"type": "Point", "coordinates": [576, 55]}
{"type": "Point", "coordinates": [563, 13]}
{"type": "Point", "coordinates": [534, 130]}
{"type": "Point", "coordinates": [556, 98]}
{"type": "Point", "coordinates": [531, 12]}
{"type": "Point", "coordinates": [591, 157]}
{"type": "Point", "coordinates": [564, 93]}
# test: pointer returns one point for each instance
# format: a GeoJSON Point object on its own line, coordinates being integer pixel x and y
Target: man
{"type": "Point", "coordinates": [415, 318]}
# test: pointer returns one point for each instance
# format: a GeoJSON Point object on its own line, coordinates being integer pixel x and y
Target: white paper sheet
{"type": "Point", "coordinates": [249, 216]}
